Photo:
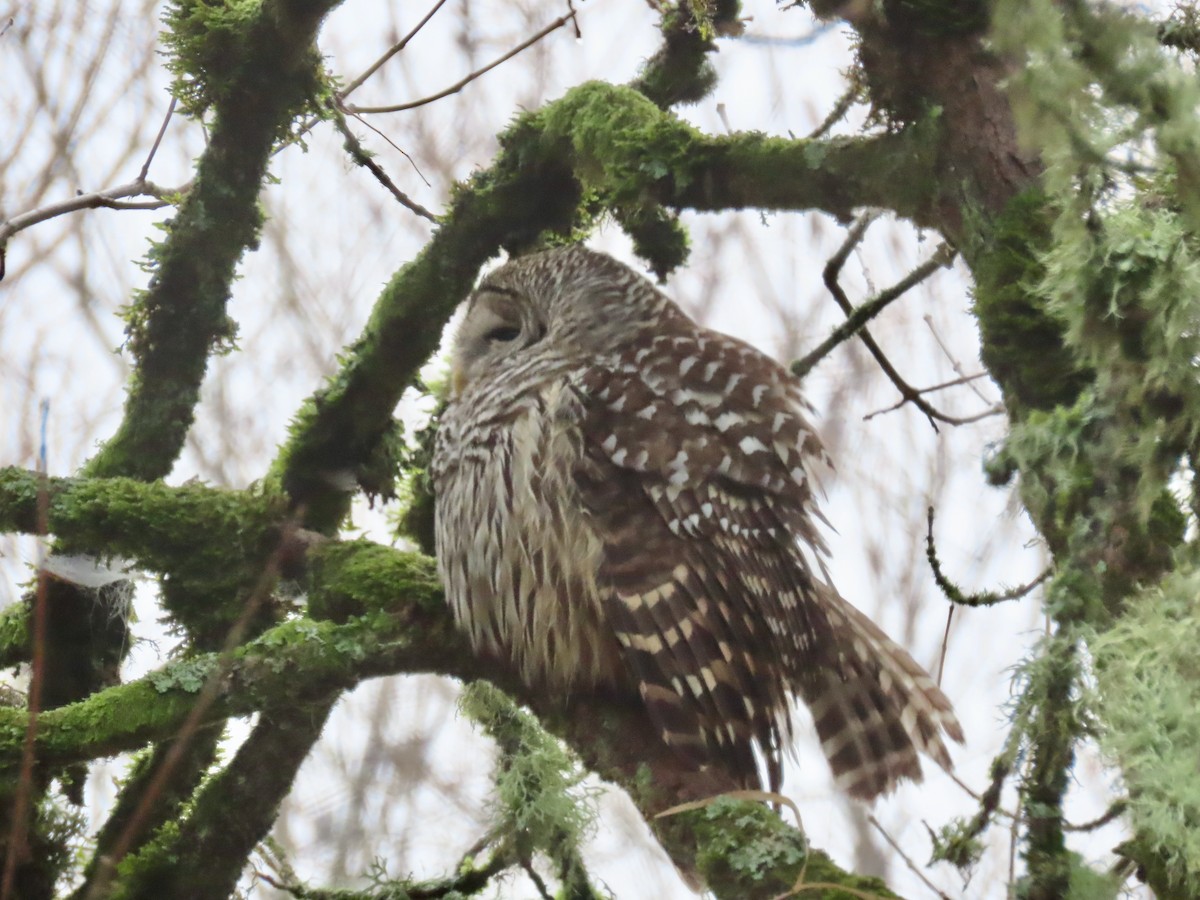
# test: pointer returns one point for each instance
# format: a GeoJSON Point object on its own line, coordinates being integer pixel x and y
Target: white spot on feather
{"type": "Point", "coordinates": [750, 444]}
{"type": "Point", "coordinates": [726, 420]}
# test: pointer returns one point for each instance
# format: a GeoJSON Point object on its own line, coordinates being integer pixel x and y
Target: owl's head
{"type": "Point", "coordinates": [570, 302]}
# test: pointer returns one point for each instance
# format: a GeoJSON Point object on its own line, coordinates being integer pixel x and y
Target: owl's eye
{"type": "Point", "coordinates": [502, 334]}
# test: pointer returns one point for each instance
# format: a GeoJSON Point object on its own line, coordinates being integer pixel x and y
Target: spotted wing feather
{"type": "Point", "coordinates": [698, 471]}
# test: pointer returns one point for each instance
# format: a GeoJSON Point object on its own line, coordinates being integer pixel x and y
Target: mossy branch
{"type": "Point", "coordinates": [257, 72]}
{"type": "Point", "coordinates": [598, 141]}
{"type": "Point", "coordinates": [399, 624]}
{"type": "Point", "coordinates": [163, 528]}
{"type": "Point", "coordinates": [541, 806]}
{"type": "Point", "coordinates": [680, 71]}
{"type": "Point", "coordinates": [202, 856]}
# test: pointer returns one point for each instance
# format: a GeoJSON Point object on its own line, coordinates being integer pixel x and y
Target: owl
{"type": "Point", "coordinates": [626, 501]}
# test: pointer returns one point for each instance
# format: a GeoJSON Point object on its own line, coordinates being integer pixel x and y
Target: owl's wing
{"type": "Point", "coordinates": [698, 474]}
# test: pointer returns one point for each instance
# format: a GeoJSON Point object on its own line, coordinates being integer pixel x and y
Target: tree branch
{"type": "Point", "coordinates": [181, 318]}
{"type": "Point", "coordinates": [467, 79]}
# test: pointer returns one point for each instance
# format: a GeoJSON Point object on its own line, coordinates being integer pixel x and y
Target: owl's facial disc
{"type": "Point", "coordinates": [497, 325]}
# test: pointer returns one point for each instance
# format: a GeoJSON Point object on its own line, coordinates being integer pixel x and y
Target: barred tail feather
{"type": "Point", "coordinates": [875, 709]}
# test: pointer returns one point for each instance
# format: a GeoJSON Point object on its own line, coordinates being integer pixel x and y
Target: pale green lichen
{"type": "Point", "coordinates": [541, 802]}
{"type": "Point", "coordinates": [1147, 691]}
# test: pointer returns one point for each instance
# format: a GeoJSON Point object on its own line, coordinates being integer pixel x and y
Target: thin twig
{"type": "Point", "coordinates": [412, 162]}
{"type": "Point", "coordinates": [993, 410]}
{"type": "Point", "coordinates": [364, 159]}
{"type": "Point", "coordinates": [311, 123]}
{"type": "Point", "coordinates": [954, 363]}
{"type": "Point", "coordinates": [22, 801]}
{"type": "Point", "coordinates": [856, 318]}
{"type": "Point", "coordinates": [945, 643]}
{"type": "Point", "coordinates": [953, 382]}
{"type": "Point", "coordinates": [463, 82]}
{"type": "Point", "coordinates": [162, 130]}
{"type": "Point", "coordinates": [904, 856]}
{"type": "Point", "coordinates": [955, 594]}
{"type": "Point", "coordinates": [107, 199]}
{"type": "Point", "coordinates": [391, 51]}
{"type": "Point", "coordinates": [942, 257]}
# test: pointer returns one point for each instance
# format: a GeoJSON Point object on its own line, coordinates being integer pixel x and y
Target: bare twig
{"type": "Point", "coordinates": [412, 162]}
{"type": "Point", "coordinates": [311, 123]}
{"type": "Point", "coordinates": [391, 51]}
{"type": "Point", "coordinates": [993, 410]}
{"type": "Point", "coordinates": [945, 643]}
{"type": "Point", "coordinates": [955, 594]}
{"type": "Point", "coordinates": [463, 82]}
{"type": "Point", "coordinates": [364, 159]}
{"type": "Point", "coordinates": [954, 363]}
{"type": "Point", "coordinates": [912, 867]}
{"type": "Point", "coordinates": [162, 130]}
{"type": "Point", "coordinates": [857, 317]}
{"type": "Point", "coordinates": [111, 198]}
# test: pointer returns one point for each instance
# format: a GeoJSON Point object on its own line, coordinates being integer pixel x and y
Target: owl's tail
{"type": "Point", "coordinates": [874, 707]}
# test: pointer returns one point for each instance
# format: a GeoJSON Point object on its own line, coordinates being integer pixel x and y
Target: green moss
{"type": "Point", "coordinates": [1023, 343]}
{"type": "Point", "coordinates": [358, 577]}
{"type": "Point", "coordinates": [628, 151]}
{"type": "Point", "coordinates": [209, 544]}
{"type": "Point", "coordinates": [216, 49]}
{"type": "Point", "coordinates": [680, 71]}
{"type": "Point", "coordinates": [743, 849]}
{"type": "Point", "coordinates": [14, 635]}
{"type": "Point", "coordinates": [1147, 692]}
{"type": "Point", "coordinates": [957, 843]}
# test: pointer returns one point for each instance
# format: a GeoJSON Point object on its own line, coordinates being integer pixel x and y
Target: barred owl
{"type": "Point", "coordinates": [625, 500]}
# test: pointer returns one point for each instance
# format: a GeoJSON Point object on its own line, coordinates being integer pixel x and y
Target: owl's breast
{"type": "Point", "coordinates": [518, 554]}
